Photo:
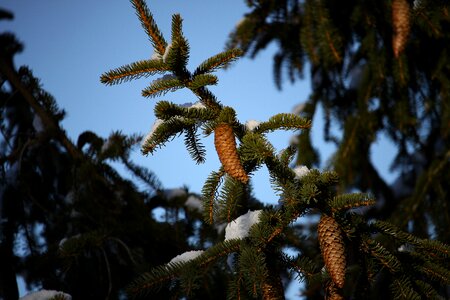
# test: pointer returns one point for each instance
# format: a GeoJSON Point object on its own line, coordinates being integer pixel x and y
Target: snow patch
{"type": "Point", "coordinates": [45, 295]}
{"type": "Point", "coordinates": [186, 256]}
{"type": "Point", "coordinates": [252, 124]}
{"type": "Point", "coordinates": [174, 193]}
{"type": "Point", "coordinates": [157, 123]}
{"type": "Point", "coordinates": [166, 52]}
{"type": "Point", "coordinates": [300, 171]}
{"type": "Point", "coordinates": [156, 56]}
{"type": "Point", "coordinates": [239, 228]}
{"type": "Point", "coordinates": [194, 203]}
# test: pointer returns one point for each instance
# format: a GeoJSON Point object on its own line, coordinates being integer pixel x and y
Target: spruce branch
{"type": "Point", "coordinates": [178, 55]}
{"type": "Point", "coordinates": [144, 174]}
{"type": "Point", "coordinates": [202, 80]}
{"type": "Point", "coordinates": [218, 61]}
{"type": "Point", "coordinates": [330, 40]}
{"type": "Point", "coordinates": [168, 129]}
{"type": "Point", "coordinates": [143, 68]}
{"type": "Point", "coordinates": [428, 290]}
{"type": "Point", "coordinates": [303, 266]}
{"type": "Point", "coordinates": [153, 280]}
{"type": "Point", "coordinates": [165, 110]}
{"type": "Point", "coordinates": [434, 271]}
{"type": "Point", "coordinates": [348, 201]}
{"type": "Point", "coordinates": [252, 264]}
{"type": "Point", "coordinates": [283, 121]}
{"type": "Point", "coordinates": [210, 193]}
{"type": "Point", "coordinates": [7, 69]}
{"type": "Point", "coordinates": [256, 148]}
{"type": "Point", "coordinates": [401, 288]}
{"type": "Point", "coordinates": [161, 86]}
{"type": "Point", "coordinates": [193, 145]}
{"type": "Point", "coordinates": [233, 193]}
{"type": "Point", "coordinates": [150, 26]}
{"type": "Point", "coordinates": [428, 246]}
{"type": "Point", "coordinates": [386, 258]}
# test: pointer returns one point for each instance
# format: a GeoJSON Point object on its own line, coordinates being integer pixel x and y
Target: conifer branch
{"type": "Point", "coordinates": [143, 68]}
{"type": "Point", "coordinates": [49, 122]}
{"type": "Point", "coordinates": [283, 121]}
{"type": "Point", "coordinates": [164, 132]}
{"type": "Point", "coordinates": [232, 194]}
{"type": "Point", "coordinates": [162, 86]}
{"type": "Point", "coordinates": [253, 266]}
{"type": "Point", "coordinates": [202, 80]}
{"type": "Point", "coordinates": [218, 61]}
{"type": "Point", "coordinates": [428, 290]}
{"type": "Point", "coordinates": [145, 175]}
{"type": "Point", "coordinates": [194, 146]}
{"type": "Point", "coordinates": [347, 201]}
{"type": "Point", "coordinates": [382, 255]}
{"type": "Point", "coordinates": [149, 25]}
{"type": "Point", "coordinates": [302, 265]}
{"type": "Point", "coordinates": [330, 37]}
{"type": "Point", "coordinates": [435, 272]}
{"type": "Point", "coordinates": [256, 148]}
{"type": "Point", "coordinates": [153, 279]}
{"type": "Point", "coordinates": [401, 289]}
{"type": "Point", "coordinates": [209, 194]}
{"type": "Point", "coordinates": [178, 54]}
{"type": "Point", "coordinates": [307, 33]}
{"type": "Point", "coordinates": [208, 98]}
{"type": "Point", "coordinates": [165, 110]}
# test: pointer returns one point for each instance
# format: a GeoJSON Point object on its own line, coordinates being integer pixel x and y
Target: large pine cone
{"type": "Point", "coordinates": [401, 25]}
{"type": "Point", "coordinates": [333, 249]}
{"type": "Point", "coordinates": [225, 143]}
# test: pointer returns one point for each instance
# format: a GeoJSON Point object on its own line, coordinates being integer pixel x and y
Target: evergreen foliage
{"type": "Point", "coordinates": [376, 251]}
{"type": "Point", "coordinates": [92, 233]}
{"type": "Point", "coordinates": [68, 220]}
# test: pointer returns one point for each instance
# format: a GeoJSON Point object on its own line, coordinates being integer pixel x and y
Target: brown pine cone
{"type": "Point", "coordinates": [401, 25]}
{"type": "Point", "coordinates": [226, 149]}
{"type": "Point", "coordinates": [333, 249]}
{"type": "Point", "coordinates": [333, 293]}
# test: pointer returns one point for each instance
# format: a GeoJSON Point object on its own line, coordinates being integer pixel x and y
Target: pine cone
{"type": "Point", "coordinates": [401, 25]}
{"type": "Point", "coordinates": [333, 249]}
{"type": "Point", "coordinates": [226, 149]}
{"type": "Point", "coordinates": [333, 293]}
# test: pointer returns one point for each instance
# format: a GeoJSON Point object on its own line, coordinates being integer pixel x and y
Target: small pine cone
{"type": "Point", "coordinates": [401, 25]}
{"type": "Point", "coordinates": [226, 149]}
{"type": "Point", "coordinates": [333, 249]}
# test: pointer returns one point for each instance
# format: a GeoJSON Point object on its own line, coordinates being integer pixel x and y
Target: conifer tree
{"type": "Point", "coordinates": [357, 258]}
{"type": "Point", "coordinates": [68, 220]}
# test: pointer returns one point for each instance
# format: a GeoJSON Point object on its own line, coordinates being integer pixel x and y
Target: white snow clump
{"type": "Point", "coordinates": [252, 124]}
{"type": "Point", "coordinates": [157, 123]}
{"type": "Point", "coordinates": [197, 104]}
{"type": "Point", "coordinates": [239, 228]}
{"type": "Point", "coordinates": [174, 193]}
{"type": "Point", "coordinates": [45, 295]}
{"type": "Point", "coordinates": [186, 256]}
{"type": "Point", "coordinates": [166, 52]}
{"type": "Point", "coordinates": [194, 203]}
{"type": "Point", "coordinates": [300, 171]}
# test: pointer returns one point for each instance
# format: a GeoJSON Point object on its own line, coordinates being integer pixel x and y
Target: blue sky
{"type": "Point", "coordinates": [69, 44]}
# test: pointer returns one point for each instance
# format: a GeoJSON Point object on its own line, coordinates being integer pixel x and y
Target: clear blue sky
{"type": "Point", "coordinates": [69, 44]}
